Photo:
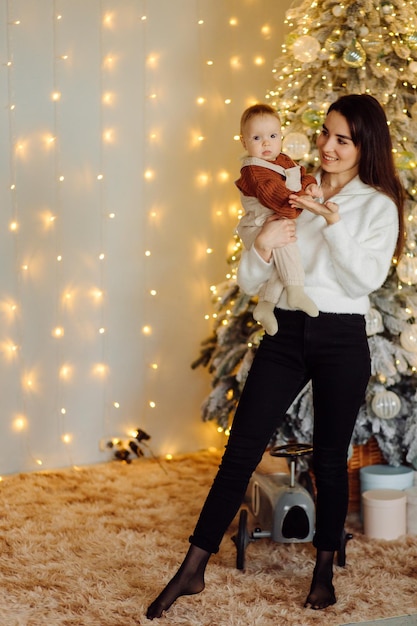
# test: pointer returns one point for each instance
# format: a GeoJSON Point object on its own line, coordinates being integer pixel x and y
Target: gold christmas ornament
{"type": "Point", "coordinates": [405, 160]}
{"type": "Point", "coordinates": [313, 118]}
{"type": "Point", "coordinates": [354, 55]}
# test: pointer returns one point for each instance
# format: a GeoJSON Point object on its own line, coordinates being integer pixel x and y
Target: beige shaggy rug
{"type": "Point", "coordinates": [92, 546]}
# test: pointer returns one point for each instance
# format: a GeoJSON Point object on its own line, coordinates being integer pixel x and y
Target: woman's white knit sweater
{"type": "Point", "coordinates": [343, 262]}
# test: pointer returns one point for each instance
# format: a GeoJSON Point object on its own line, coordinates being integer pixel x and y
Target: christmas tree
{"type": "Point", "coordinates": [363, 46]}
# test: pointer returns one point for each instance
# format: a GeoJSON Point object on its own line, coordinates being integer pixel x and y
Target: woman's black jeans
{"type": "Point", "coordinates": [331, 350]}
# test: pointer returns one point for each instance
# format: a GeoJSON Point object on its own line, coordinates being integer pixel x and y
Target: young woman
{"type": "Point", "coordinates": [347, 240]}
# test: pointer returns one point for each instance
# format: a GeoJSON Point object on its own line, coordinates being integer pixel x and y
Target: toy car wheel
{"type": "Point", "coordinates": [241, 540]}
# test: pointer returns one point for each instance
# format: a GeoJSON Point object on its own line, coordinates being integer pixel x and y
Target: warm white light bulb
{"type": "Point", "coordinates": [108, 20]}
{"type": "Point", "coordinates": [65, 372]}
{"type": "Point", "coordinates": [203, 179]}
{"type": "Point", "coordinates": [108, 97]}
{"type": "Point", "coordinates": [223, 176]}
{"type": "Point", "coordinates": [152, 60]}
{"type": "Point", "coordinates": [19, 423]}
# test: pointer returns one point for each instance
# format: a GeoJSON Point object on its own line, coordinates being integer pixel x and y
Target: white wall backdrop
{"type": "Point", "coordinates": [117, 161]}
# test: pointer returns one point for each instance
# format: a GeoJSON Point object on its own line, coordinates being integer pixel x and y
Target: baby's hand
{"type": "Point", "coordinates": [315, 191]}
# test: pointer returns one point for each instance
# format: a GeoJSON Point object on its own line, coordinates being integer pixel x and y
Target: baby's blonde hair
{"type": "Point", "coordinates": [256, 109]}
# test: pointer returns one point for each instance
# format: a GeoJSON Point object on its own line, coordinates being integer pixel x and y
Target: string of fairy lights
{"type": "Point", "coordinates": [52, 218]}
{"type": "Point", "coordinates": [45, 392]}
{"type": "Point", "coordinates": [10, 347]}
{"type": "Point", "coordinates": [151, 215]}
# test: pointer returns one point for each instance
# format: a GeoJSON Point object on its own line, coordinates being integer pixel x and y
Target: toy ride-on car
{"type": "Point", "coordinates": [282, 506]}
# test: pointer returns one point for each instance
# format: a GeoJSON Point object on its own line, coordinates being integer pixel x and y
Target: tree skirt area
{"type": "Point", "coordinates": [93, 546]}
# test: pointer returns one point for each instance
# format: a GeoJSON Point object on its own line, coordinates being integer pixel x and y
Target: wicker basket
{"type": "Point", "coordinates": [367, 454]}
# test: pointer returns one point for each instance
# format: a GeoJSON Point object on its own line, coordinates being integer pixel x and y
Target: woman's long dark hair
{"type": "Point", "coordinates": [369, 131]}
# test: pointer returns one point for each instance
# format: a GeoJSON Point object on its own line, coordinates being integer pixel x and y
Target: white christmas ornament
{"type": "Point", "coordinates": [408, 338]}
{"type": "Point", "coordinates": [407, 269]}
{"type": "Point", "coordinates": [306, 49]}
{"type": "Point", "coordinates": [296, 145]}
{"type": "Point", "coordinates": [387, 8]}
{"type": "Point", "coordinates": [386, 404]}
{"type": "Point", "coordinates": [337, 10]}
{"type": "Point", "coordinates": [374, 323]}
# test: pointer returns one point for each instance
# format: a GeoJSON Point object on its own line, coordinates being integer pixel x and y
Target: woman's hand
{"type": "Point", "coordinates": [328, 210]}
{"type": "Point", "coordinates": [275, 233]}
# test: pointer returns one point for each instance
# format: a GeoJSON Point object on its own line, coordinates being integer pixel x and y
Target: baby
{"type": "Point", "coordinates": [267, 178]}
